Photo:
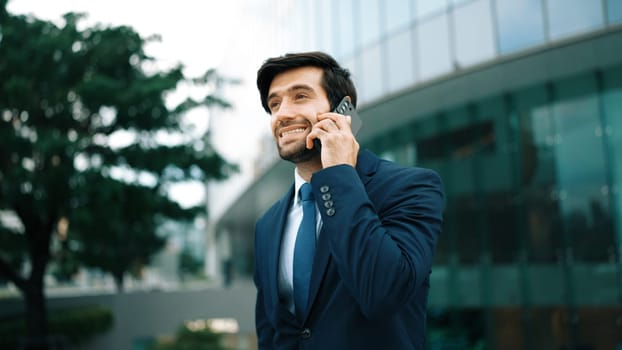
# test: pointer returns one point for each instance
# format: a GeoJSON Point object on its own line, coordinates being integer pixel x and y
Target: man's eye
{"type": "Point", "coordinates": [301, 96]}
{"type": "Point", "coordinates": [273, 105]}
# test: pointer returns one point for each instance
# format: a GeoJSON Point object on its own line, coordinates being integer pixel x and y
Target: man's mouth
{"type": "Point", "coordinates": [292, 131]}
{"type": "Point", "coordinates": [293, 128]}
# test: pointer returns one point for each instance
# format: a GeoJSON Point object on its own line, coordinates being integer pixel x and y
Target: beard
{"type": "Point", "coordinates": [299, 154]}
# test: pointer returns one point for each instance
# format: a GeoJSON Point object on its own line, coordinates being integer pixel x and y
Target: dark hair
{"type": "Point", "coordinates": [336, 80]}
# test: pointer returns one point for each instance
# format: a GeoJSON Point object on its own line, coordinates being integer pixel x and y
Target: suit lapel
{"type": "Point", "coordinates": [275, 242]}
{"type": "Point", "coordinates": [320, 263]}
{"type": "Point", "coordinates": [366, 166]}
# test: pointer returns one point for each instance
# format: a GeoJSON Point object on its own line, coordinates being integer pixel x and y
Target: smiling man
{"type": "Point", "coordinates": [343, 259]}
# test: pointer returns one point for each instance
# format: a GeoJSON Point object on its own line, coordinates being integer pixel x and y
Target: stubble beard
{"type": "Point", "coordinates": [300, 154]}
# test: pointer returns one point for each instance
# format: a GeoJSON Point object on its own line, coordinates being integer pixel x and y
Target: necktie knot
{"type": "Point", "coordinates": [306, 192]}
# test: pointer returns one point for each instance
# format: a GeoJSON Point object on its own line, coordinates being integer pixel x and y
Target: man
{"type": "Point", "coordinates": [374, 225]}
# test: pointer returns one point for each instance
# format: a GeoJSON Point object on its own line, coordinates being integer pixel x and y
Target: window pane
{"type": "Point", "coordinates": [302, 21]}
{"type": "Point", "coordinates": [427, 128]}
{"type": "Point", "coordinates": [569, 17]}
{"type": "Point", "coordinates": [433, 50]}
{"type": "Point", "coordinates": [496, 180]}
{"type": "Point", "coordinates": [369, 23]}
{"type": "Point", "coordinates": [426, 8]}
{"type": "Point", "coordinates": [536, 134]}
{"type": "Point", "coordinates": [372, 76]}
{"type": "Point", "coordinates": [397, 14]}
{"type": "Point", "coordinates": [473, 33]}
{"type": "Point", "coordinates": [305, 23]}
{"type": "Point", "coordinates": [454, 145]}
{"type": "Point", "coordinates": [614, 11]}
{"type": "Point", "coordinates": [599, 326]}
{"type": "Point", "coordinates": [456, 328]}
{"type": "Point", "coordinates": [326, 27]}
{"type": "Point", "coordinates": [580, 170]}
{"type": "Point", "coordinates": [612, 104]}
{"type": "Point", "coordinates": [345, 26]}
{"type": "Point", "coordinates": [352, 64]}
{"type": "Point", "coordinates": [400, 60]}
{"type": "Point", "coordinates": [520, 24]}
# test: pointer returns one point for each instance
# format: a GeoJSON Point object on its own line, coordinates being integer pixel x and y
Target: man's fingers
{"type": "Point", "coordinates": [327, 124]}
{"type": "Point", "coordinates": [342, 122]}
{"type": "Point", "coordinates": [314, 134]}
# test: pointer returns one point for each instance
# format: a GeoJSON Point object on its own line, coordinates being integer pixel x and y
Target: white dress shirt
{"type": "Point", "coordinates": [288, 243]}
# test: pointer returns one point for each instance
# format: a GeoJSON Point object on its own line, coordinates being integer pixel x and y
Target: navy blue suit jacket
{"type": "Point", "coordinates": [370, 279]}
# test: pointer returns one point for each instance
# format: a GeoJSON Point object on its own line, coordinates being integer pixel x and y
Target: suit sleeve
{"type": "Point", "coordinates": [383, 250]}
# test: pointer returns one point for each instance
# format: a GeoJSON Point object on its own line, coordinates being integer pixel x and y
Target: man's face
{"type": "Point", "coordinates": [295, 99]}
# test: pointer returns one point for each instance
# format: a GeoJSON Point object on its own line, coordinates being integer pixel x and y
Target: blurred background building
{"type": "Point", "coordinates": [517, 104]}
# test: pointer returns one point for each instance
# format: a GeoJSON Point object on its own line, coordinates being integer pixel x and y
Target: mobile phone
{"type": "Point", "coordinates": [345, 107]}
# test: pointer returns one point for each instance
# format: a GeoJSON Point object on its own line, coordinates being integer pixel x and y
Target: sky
{"type": "Point", "coordinates": [188, 36]}
{"type": "Point", "coordinates": [182, 24]}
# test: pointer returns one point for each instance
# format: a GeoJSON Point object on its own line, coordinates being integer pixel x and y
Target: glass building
{"type": "Point", "coordinates": [517, 104]}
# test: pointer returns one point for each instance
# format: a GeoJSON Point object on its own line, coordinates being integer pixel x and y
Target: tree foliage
{"type": "Point", "coordinates": [65, 93]}
{"type": "Point", "coordinates": [75, 326]}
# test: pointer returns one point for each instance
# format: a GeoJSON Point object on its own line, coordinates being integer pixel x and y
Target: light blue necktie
{"type": "Point", "coordinates": [304, 251]}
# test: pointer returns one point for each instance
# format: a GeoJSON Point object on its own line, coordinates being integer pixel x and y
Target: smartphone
{"type": "Point", "coordinates": [345, 107]}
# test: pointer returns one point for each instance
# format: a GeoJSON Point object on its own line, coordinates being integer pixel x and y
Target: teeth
{"type": "Point", "coordinates": [292, 131]}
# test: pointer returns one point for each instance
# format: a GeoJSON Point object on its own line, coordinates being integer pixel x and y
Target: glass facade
{"type": "Point", "coordinates": [530, 253]}
{"type": "Point", "coordinates": [439, 37]}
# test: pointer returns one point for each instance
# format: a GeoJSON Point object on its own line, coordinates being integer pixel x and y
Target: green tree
{"type": "Point", "coordinates": [64, 92]}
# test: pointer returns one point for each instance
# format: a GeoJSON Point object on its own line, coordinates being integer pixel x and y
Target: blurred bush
{"type": "Point", "coordinates": [191, 339]}
{"type": "Point", "coordinates": [76, 326]}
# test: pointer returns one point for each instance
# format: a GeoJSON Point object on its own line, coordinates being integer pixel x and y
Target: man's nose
{"type": "Point", "coordinates": [285, 111]}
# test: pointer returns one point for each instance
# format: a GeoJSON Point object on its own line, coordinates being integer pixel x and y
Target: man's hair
{"type": "Point", "coordinates": [336, 80]}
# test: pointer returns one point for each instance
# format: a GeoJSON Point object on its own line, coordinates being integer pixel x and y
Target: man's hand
{"type": "Point", "coordinates": [339, 146]}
